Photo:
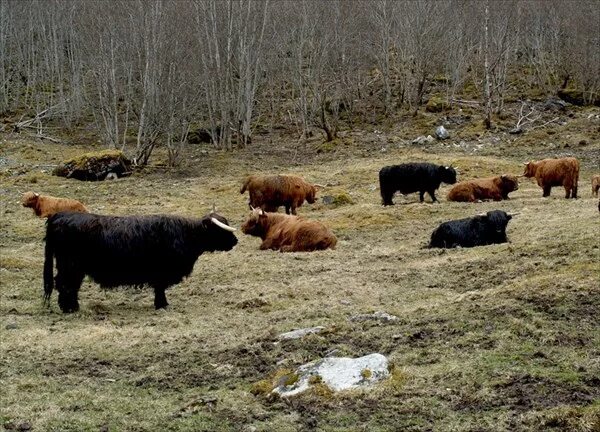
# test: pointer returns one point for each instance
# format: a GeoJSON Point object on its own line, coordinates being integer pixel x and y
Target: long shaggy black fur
{"type": "Point", "coordinates": [132, 250]}
{"type": "Point", "coordinates": [413, 177]}
{"type": "Point", "coordinates": [470, 232]}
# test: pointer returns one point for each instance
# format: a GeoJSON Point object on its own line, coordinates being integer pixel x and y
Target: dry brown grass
{"type": "Point", "coordinates": [495, 338]}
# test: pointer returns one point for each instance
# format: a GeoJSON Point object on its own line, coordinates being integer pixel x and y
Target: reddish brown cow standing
{"type": "Point", "coordinates": [494, 188]}
{"type": "Point", "coordinates": [555, 172]}
{"type": "Point", "coordinates": [271, 192]}
{"type": "Point", "coordinates": [595, 184]}
{"type": "Point", "coordinates": [288, 233]}
{"type": "Point", "coordinates": [46, 206]}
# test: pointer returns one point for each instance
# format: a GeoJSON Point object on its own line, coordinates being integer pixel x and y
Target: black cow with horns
{"type": "Point", "coordinates": [413, 177]}
{"type": "Point", "coordinates": [481, 230]}
{"type": "Point", "coordinates": [157, 250]}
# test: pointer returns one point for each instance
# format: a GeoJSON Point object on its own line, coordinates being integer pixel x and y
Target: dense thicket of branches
{"type": "Point", "coordinates": [146, 71]}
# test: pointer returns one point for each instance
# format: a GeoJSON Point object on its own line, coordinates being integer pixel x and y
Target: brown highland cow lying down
{"type": "Point", "coordinates": [288, 233]}
{"type": "Point", "coordinates": [46, 206]}
{"type": "Point", "coordinates": [271, 192]}
{"type": "Point", "coordinates": [555, 172]}
{"type": "Point", "coordinates": [493, 188]}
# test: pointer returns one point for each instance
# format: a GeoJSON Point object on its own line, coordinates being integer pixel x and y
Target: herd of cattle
{"type": "Point", "coordinates": [160, 250]}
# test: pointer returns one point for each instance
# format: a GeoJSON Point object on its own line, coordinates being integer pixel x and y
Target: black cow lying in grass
{"type": "Point", "coordinates": [413, 177]}
{"type": "Point", "coordinates": [133, 250]}
{"type": "Point", "coordinates": [476, 231]}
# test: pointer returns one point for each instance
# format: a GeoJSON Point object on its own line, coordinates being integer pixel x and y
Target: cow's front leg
{"type": "Point", "coordinates": [160, 299]}
{"type": "Point", "coordinates": [266, 244]}
{"type": "Point", "coordinates": [422, 196]}
{"type": "Point", "coordinates": [547, 190]}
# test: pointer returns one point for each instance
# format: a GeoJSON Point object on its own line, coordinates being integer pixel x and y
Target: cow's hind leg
{"type": "Point", "coordinates": [574, 191]}
{"type": "Point", "coordinates": [160, 299]}
{"type": "Point", "coordinates": [68, 282]}
{"type": "Point", "coordinates": [431, 194]}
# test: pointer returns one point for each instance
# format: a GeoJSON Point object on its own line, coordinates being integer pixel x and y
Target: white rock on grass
{"type": "Point", "coordinates": [297, 334]}
{"type": "Point", "coordinates": [441, 133]}
{"type": "Point", "coordinates": [423, 140]}
{"type": "Point", "coordinates": [338, 373]}
{"type": "Point", "coordinates": [376, 316]}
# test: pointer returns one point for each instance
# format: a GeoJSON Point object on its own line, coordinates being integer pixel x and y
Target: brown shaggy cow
{"type": "Point", "coordinates": [595, 184]}
{"type": "Point", "coordinates": [555, 172]}
{"type": "Point", "coordinates": [46, 206]}
{"type": "Point", "coordinates": [271, 192]}
{"type": "Point", "coordinates": [494, 188]}
{"type": "Point", "coordinates": [288, 233]}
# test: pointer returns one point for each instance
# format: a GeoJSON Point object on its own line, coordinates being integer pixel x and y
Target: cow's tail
{"type": "Point", "coordinates": [48, 266]}
{"type": "Point", "coordinates": [246, 184]}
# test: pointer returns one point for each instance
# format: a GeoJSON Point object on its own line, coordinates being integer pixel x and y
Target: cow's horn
{"type": "Point", "coordinates": [318, 185]}
{"type": "Point", "coordinates": [252, 208]}
{"type": "Point", "coordinates": [482, 214]}
{"type": "Point", "coordinates": [222, 225]}
{"type": "Point", "coordinates": [515, 214]}
{"type": "Point", "coordinates": [36, 194]}
{"type": "Point", "coordinates": [214, 209]}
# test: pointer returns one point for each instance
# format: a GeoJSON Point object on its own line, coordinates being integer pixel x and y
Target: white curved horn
{"type": "Point", "coordinates": [318, 185]}
{"type": "Point", "coordinates": [222, 225]}
{"type": "Point", "coordinates": [515, 214]}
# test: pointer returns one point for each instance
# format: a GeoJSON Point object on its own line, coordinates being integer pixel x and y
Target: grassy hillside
{"type": "Point", "coordinates": [495, 338]}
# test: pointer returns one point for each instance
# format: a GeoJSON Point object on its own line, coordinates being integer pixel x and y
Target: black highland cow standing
{"type": "Point", "coordinates": [131, 250]}
{"type": "Point", "coordinates": [480, 230]}
{"type": "Point", "coordinates": [413, 177]}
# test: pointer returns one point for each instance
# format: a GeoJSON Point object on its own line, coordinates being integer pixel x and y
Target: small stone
{"type": "Point", "coordinates": [377, 316]}
{"type": "Point", "coordinates": [515, 131]}
{"type": "Point", "coordinates": [328, 199]}
{"type": "Point", "coordinates": [423, 140]}
{"type": "Point", "coordinates": [25, 426]}
{"type": "Point", "coordinates": [297, 334]}
{"type": "Point", "coordinates": [442, 133]}
{"type": "Point", "coordinates": [11, 326]}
